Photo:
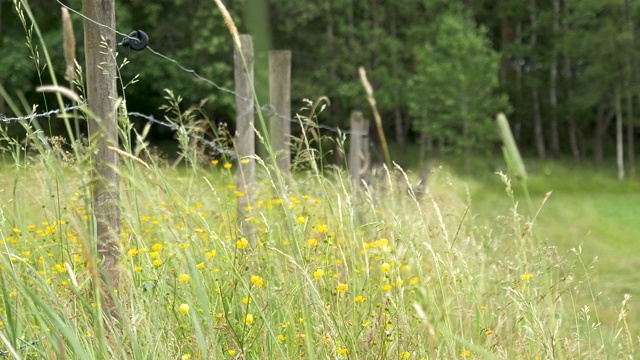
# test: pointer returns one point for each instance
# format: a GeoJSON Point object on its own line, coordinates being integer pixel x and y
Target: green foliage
{"type": "Point", "coordinates": [455, 91]}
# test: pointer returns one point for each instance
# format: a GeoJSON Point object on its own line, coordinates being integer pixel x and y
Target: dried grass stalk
{"type": "Point", "coordinates": [230, 24]}
{"type": "Point", "coordinates": [69, 45]}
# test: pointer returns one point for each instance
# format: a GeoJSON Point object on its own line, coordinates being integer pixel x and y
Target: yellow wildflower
{"type": "Point", "coordinates": [242, 243]}
{"type": "Point", "coordinates": [257, 280]}
{"type": "Point", "coordinates": [184, 309]}
{"type": "Point", "coordinates": [157, 247]}
{"type": "Point", "coordinates": [526, 277]}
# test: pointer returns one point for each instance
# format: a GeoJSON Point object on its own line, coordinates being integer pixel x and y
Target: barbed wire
{"type": "Point", "coordinates": [202, 78]}
{"type": "Point", "coordinates": [265, 109]}
{"type": "Point", "coordinates": [20, 348]}
{"type": "Point", "coordinates": [230, 153]}
{"type": "Point", "coordinates": [7, 120]}
{"type": "Point", "coordinates": [159, 54]}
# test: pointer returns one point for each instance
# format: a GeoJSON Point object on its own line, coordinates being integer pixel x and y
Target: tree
{"type": "Point", "coordinates": [454, 93]}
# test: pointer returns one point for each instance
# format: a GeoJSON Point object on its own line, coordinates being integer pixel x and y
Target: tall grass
{"type": "Point", "coordinates": [379, 272]}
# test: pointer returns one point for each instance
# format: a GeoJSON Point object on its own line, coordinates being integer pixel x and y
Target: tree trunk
{"type": "Point", "coordinates": [351, 25]}
{"type": "Point", "coordinates": [632, 78]}
{"type": "Point", "coordinates": [619, 134]}
{"type": "Point", "coordinates": [553, 80]}
{"type": "Point", "coordinates": [573, 130]}
{"type": "Point", "coordinates": [374, 56]}
{"type": "Point", "coordinates": [598, 139]}
{"type": "Point", "coordinates": [631, 151]}
{"type": "Point", "coordinates": [535, 97]}
{"type": "Point", "coordinates": [103, 132]}
{"type": "Point", "coordinates": [331, 41]}
{"type": "Point", "coordinates": [465, 134]}
{"type": "Point", "coordinates": [399, 127]}
{"type": "Point", "coordinates": [397, 112]}
{"type": "Point", "coordinates": [517, 122]}
{"type": "Point", "coordinates": [537, 124]}
{"type": "Point", "coordinates": [506, 36]}
{"type": "Point", "coordinates": [568, 76]}
{"type": "Point", "coordinates": [425, 145]}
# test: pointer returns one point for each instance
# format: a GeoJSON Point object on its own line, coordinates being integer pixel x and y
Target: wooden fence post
{"type": "Point", "coordinates": [103, 131]}
{"type": "Point", "coordinates": [358, 147]}
{"type": "Point", "coordinates": [245, 133]}
{"type": "Point", "coordinates": [280, 98]}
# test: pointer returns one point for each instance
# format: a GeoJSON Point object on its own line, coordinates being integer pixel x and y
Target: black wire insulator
{"type": "Point", "coordinates": [137, 40]}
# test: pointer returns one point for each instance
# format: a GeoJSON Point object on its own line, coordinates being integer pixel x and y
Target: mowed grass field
{"type": "Point", "coordinates": [589, 209]}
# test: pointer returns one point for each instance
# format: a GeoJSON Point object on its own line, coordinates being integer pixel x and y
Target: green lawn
{"type": "Point", "coordinates": [589, 208]}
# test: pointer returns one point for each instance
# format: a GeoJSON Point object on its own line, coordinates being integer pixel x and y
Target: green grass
{"type": "Point", "coordinates": [423, 279]}
{"type": "Point", "coordinates": [588, 209]}
{"type": "Point", "coordinates": [311, 267]}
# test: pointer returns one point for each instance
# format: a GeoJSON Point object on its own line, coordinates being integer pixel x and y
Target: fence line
{"type": "Point", "coordinates": [159, 54]}
{"type": "Point", "coordinates": [21, 347]}
{"type": "Point", "coordinates": [244, 97]}
{"type": "Point", "coordinates": [193, 72]}
{"type": "Point", "coordinates": [230, 153]}
{"type": "Point", "coordinates": [152, 119]}
{"type": "Point", "coordinates": [8, 120]}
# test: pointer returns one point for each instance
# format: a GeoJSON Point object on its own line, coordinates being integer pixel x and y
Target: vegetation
{"type": "Point", "coordinates": [389, 268]}
{"type": "Point", "coordinates": [567, 68]}
{"type": "Point", "coordinates": [388, 274]}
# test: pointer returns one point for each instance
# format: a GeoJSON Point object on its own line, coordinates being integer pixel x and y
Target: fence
{"type": "Point", "coordinates": [278, 131]}
{"type": "Point", "coordinates": [278, 113]}
{"type": "Point", "coordinates": [103, 130]}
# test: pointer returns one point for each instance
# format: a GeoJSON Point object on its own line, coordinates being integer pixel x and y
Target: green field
{"type": "Point", "coordinates": [588, 209]}
{"type": "Point", "coordinates": [334, 273]}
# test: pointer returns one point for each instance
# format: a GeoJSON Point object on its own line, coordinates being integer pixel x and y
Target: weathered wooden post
{"type": "Point", "coordinates": [280, 98]}
{"type": "Point", "coordinates": [100, 44]}
{"type": "Point", "coordinates": [245, 133]}
{"type": "Point", "coordinates": [358, 149]}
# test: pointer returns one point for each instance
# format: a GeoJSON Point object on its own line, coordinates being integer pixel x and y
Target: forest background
{"type": "Point", "coordinates": [565, 71]}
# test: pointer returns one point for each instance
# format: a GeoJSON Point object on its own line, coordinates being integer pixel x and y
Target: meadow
{"type": "Point", "coordinates": [590, 210]}
{"type": "Point", "coordinates": [329, 270]}
{"type": "Point", "coordinates": [309, 266]}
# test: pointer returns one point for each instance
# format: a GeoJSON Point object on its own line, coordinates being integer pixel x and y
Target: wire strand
{"type": "Point", "coordinates": [265, 108]}
{"type": "Point", "coordinates": [231, 154]}
{"type": "Point", "coordinates": [40, 115]}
